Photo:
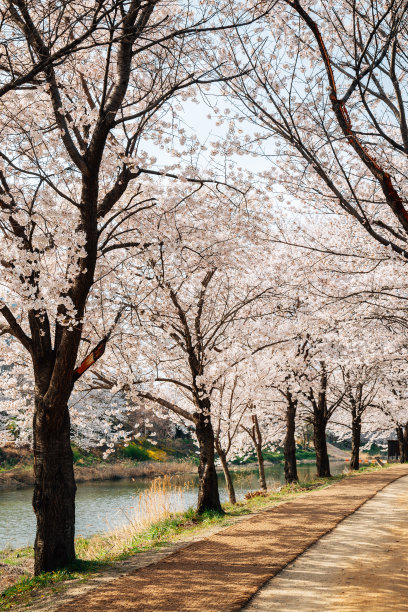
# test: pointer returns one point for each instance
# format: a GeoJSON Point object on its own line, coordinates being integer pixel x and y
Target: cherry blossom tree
{"type": "Point", "coordinates": [82, 107]}
{"type": "Point", "coordinates": [230, 403]}
{"type": "Point", "coordinates": [196, 324]}
{"type": "Point", "coordinates": [325, 95]}
{"type": "Point", "coordinates": [391, 415]}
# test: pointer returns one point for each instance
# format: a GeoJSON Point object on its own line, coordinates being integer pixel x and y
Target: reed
{"type": "Point", "coordinates": [162, 500]}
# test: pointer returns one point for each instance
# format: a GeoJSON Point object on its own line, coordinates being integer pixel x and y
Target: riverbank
{"type": "Point", "coordinates": [19, 477]}
{"type": "Point", "coordinates": [103, 506]}
{"type": "Point", "coordinates": [140, 460]}
{"type": "Point", "coordinates": [106, 553]}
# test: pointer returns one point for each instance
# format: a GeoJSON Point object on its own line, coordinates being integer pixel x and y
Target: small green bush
{"type": "Point", "coordinates": [76, 454]}
{"type": "Point", "coordinates": [136, 452]}
{"type": "Point", "coordinates": [273, 457]}
{"type": "Point", "coordinates": [376, 450]}
{"type": "Point", "coordinates": [305, 454]}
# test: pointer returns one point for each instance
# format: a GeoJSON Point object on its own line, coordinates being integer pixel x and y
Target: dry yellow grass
{"type": "Point", "coordinates": [160, 501]}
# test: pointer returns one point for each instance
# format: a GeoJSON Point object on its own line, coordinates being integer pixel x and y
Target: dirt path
{"type": "Point", "coordinates": [222, 572]}
{"type": "Point", "coordinates": [360, 566]}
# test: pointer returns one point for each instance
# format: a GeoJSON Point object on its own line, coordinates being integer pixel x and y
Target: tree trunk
{"type": "Point", "coordinates": [400, 437]}
{"type": "Point", "coordinates": [355, 442]}
{"type": "Point", "coordinates": [289, 443]}
{"type": "Point", "coordinates": [257, 439]}
{"type": "Point", "coordinates": [322, 457]}
{"type": "Point", "coordinates": [402, 434]}
{"type": "Point", "coordinates": [227, 474]}
{"type": "Point", "coordinates": [405, 443]}
{"type": "Point", "coordinates": [262, 479]}
{"type": "Point", "coordinates": [208, 495]}
{"type": "Point", "coordinates": [54, 488]}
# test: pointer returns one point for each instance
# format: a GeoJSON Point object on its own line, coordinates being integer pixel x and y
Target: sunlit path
{"type": "Point", "coordinates": [360, 566]}
{"type": "Point", "coordinates": [225, 570]}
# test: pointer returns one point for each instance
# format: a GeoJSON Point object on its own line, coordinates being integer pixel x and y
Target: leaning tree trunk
{"type": "Point", "coordinates": [54, 487]}
{"type": "Point", "coordinates": [355, 442]}
{"type": "Point", "coordinates": [227, 473]}
{"type": "Point", "coordinates": [289, 443]}
{"type": "Point", "coordinates": [320, 444]}
{"type": "Point", "coordinates": [208, 495]}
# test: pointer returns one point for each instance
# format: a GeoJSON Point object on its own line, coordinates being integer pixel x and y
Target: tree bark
{"type": "Point", "coordinates": [257, 439]}
{"type": "Point", "coordinates": [402, 434]}
{"type": "Point", "coordinates": [227, 474]}
{"type": "Point", "coordinates": [208, 495]}
{"type": "Point", "coordinates": [355, 441]}
{"type": "Point", "coordinates": [54, 488]}
{"type": "Point", "coordinates": [262, 479]}
{"type": "Point", "coordinates": [289, 443]}
{"type": "Point", "coordinates": [322, 457]}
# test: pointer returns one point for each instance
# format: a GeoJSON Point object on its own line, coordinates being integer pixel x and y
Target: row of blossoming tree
{"type": "Point", "coordinates": [241, 304]}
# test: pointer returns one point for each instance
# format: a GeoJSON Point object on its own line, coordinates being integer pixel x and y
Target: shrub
{"type": "Point", "coordinates": [76, 454]}
{"type": "Point", "coordinates": [305, 454]}
{"type": "Point", "coordinates": [136, 452]}
{"type": "Point", "coordinates": [156, 454]}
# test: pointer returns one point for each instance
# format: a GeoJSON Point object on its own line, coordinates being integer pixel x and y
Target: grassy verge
{"type": "Point", "coordinates": [102, 551]}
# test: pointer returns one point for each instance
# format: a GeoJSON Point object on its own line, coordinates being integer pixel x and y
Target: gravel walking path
{"type": "Point", "coordinates": [224, 571]}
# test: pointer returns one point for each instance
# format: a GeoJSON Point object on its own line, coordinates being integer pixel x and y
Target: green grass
{"type": "Point", "coordinates": [162, 532]}
{"type": "Point", "coordinates": [8, 464]}
{"type": "Point", "coordinates": [22, 591]}
{"type": "Point", "coordinates": [16, 556]}
{"type": "Point", "coordinates": [155, 536]}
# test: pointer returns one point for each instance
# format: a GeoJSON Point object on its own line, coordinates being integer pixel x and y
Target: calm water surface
{"type": "Point", "coordinates": [102, 506]}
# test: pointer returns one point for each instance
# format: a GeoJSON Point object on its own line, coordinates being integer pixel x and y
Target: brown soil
{"type": "Point", "coordinates": [225, 570]}
{"type": "Point", "coordinates": [10, 574]}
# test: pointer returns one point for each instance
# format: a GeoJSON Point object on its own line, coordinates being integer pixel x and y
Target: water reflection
{"type": "Point", "coordinates": [102, 506]}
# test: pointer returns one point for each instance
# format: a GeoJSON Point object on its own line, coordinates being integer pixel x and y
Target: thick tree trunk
{"type": "Point", "coordinates": [402, 434]}
{"type": "Point", "coordinates": [227, 474]}
{"type": "Point", "coordinates": [322, 457]}
{"type": "Point", "coordinates": [289, 443]}
{"type": "Point", "coordinates": [355, 442]}
{"type": "Point", "coordinates": [54, 488]}
{"type": "Point", "coordinates": [405, 442]}
{"type": "Point", "coordinates": [208, 495]}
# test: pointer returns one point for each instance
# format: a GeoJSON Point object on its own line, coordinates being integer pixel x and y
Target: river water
{"type": "Point", "coordinates": [103, 506]}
